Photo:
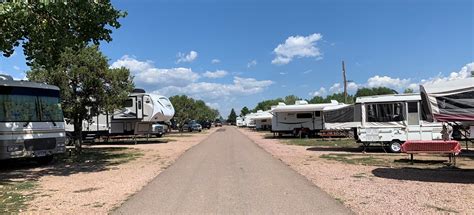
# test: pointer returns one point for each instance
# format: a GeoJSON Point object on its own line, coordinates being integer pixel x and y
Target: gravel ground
{"type": "Point", "coordinates": [374, 190]}
{"type": "Point", "coordinates": [98, 192]}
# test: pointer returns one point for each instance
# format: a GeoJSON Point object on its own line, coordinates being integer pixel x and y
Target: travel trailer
{"type": "Point", "coordinates": [31, 120]}
{"type": "Point", "coordinates": [263, 120]}
{"type": "Point", "coordinates": [391, 120]}
{"type": "Point", "coordinates": [291, 119]}
{"type": "Point", "coordinates": [452, 102]}
{"type": "Point", "coordinates": [249, 122]}
{"type": "Point", "coordinates": [143, 113]}
{"type": "Point", "coordinates": [239, 122]}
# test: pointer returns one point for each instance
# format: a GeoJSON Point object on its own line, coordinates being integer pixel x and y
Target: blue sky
{"type": "Point", "coordinates": [268, 49]}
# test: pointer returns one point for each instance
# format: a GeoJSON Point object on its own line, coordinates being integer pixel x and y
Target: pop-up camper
{"type": "Point", "coordinates": [393, 119]}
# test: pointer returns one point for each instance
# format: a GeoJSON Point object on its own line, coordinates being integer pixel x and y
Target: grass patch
{"type": "Point", "coordinates": [342, 143]}
{"type": "Point", "coordinates": [109, 156]}
{"type": "Point", "coordinates": [14, 197]}
{"type": "Point", "coordinates": [368, 160]}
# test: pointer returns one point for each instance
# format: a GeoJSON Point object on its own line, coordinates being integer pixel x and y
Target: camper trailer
{"type": "Point", "coordinates": [143, 113]}
{"type": "Point", "coordinates": [391, 120]}
{"type": "Point", "coordinates": [263, 120]}
{"type": "Point", "coordinates": [291, 119]}
{"type": "Point", "coordinates": [239, 122]}
{"type": "Point", "coordinates": [249, 122]}
{"type": "Point", "coordinates": [31, 120]}
{"type": "Point", "coordinates": [451, 102]}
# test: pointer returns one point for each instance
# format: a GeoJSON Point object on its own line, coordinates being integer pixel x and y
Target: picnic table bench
{"type": "Point", "coordinates": [450, 147]}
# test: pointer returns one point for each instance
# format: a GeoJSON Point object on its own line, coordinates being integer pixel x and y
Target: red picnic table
{"type": "Point", "coordinates": [450, 147]}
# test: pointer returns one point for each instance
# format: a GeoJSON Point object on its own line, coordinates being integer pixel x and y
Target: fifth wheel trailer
{"type": "Point", "coordinates": [31, 120]}
{"type": "Point", "coordinates": [143, 113]}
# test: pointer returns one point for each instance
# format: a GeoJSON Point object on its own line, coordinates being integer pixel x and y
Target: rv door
{"type": "Point", "coordinates": [414, 130]}
{"type": "Point", "coordinates": [140, 107]}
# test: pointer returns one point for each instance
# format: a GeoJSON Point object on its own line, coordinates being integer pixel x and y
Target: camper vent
{"type": "Point", "coordinates": [301, 102]}
{"type": "Point", "coordinates": [138, 90]}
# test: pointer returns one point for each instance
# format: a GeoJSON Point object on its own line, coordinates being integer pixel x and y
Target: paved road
{"type": "Point", "coordinates": [228, 173]}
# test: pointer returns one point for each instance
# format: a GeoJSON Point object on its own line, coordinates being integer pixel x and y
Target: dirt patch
{"type": "Point", "coordinates": [376, 183]}
{"type": "Point", "coordinates": [102, 178]}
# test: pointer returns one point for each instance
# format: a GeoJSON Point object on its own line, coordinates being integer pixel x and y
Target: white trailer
{"type": "Point", "coordinates": [31, 120]}
{"type": "Point", "coordinates": [239, 122]}
{"type": "Point", "coordinates": [393, 119]}
{"type": "Point", "coordinates": [263, 120]}
{"type": "Point", "coordinates": [290, 119]}
{"type": "Point", "coordinates": [143, 113]}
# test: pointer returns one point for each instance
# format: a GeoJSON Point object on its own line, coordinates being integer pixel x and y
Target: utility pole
{"type": "Point", "coordinates": [345, 81]}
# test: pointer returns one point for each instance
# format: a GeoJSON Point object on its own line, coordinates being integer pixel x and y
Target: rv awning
{"type": "Point", "coordinates": [449, 101]}
{"type": "Point", "coordinates": [302, 108]}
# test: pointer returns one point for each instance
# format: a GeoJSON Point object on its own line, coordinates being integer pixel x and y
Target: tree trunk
{"type": "Point", "coordinates": [78, 135]}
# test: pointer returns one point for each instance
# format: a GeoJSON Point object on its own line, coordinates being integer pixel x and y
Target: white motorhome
{"type": "Point", "coordinates": [290, 119]}
{"type": "Point", "coordinates": [393, 119]}
{"type": "Point", "coordinates": [142, 114]}
{"type": "Point", "coordinates": [31, 120]}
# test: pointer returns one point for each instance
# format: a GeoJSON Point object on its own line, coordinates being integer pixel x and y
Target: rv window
{"type": "Point", "coordinates": [412, 107]}
{"type": "Point", "coordinates": [128, 103]}
{"type": "Point", "coordinates": [390, 112]}
{"type": "Point", "coordinates": [304, 115]}
{"type": "Point", "coordinates": [413, 116]}
{"type": "Point", "coordinates": [264, 120]}
{"type": "Point", "coordinates": [317, 114]}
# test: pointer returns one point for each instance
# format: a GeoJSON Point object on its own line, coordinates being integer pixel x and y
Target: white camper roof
{"type": "Point", "coordinates": [303, 107]}
{"type": "Point", "coordinates": [389, 98]}
{"type": "Point", "coordinates": [449, 86]}
{"type": "Point", "coordinates": [335, 107]}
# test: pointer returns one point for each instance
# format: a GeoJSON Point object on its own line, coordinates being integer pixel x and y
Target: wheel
{"type": "Point", "coordinates": [69, 140]}
{"type": "Point", "coordinates": [190, 130]}
{"type": "Point", "coordinates": [159, 135]}
{"type": "Point", "coordinates": [44, 160]}
{"type": "Point", "coordinates": [200, 130]}
{"type": "Point", "coordinates": [395, 146]}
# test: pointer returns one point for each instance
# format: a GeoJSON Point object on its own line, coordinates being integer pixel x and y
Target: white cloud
{"type": "Point", "coordinates": [307, 71]}
{"type": "Point", "coordinates": [297, 46]}
{"type": "Point", "coordinates": [215, 61]}
{"type": "Point", "coordinates": [283, 73]}
{"type": "Point", "coordinates": [386, 81]}
{"type": "Point", "coordinates": [213, 91]}
{"type": "Point", "coordinates": [216, 74]}
{"type": "Point", "coordinates": [145, 73]}
{"type": "Point", "coordinates": [187, 58]}
{"type": "Point", "coordinates": [320, 92]}
{"type": "Point", "coordinates": [16, 68]}
{"type": "Point", "coordinates": [213, 105]}
{"type": "Point", "coordinates": [252, 63]}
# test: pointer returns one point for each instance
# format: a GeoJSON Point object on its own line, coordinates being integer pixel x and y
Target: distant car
{"type": "Point", "coordinates": [205, 124]}
{"type": "Point", "coordinates": [192, 126]}
{"type": "Point", "coordinates": [218, 123]}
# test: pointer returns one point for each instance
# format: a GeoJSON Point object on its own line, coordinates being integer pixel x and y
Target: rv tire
{"type": "Point", "coordinates": [395, 146]}
{"type": "Point", "coordinates": [159, 135]}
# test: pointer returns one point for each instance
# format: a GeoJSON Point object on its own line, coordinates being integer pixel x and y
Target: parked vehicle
{"type": "Point", "coordinates": [192, 126]}
{"type": "Point", "coordinates": [391, 120]}
{"type": "Point", "coordinates": [239, 122]}
{"type": "Point", "coordinates": [218, 123]}
{"type": "Point", "coordinates": [31, 120]}
{"type": "Point", "coordinates": [291, 119]}
{"type": "Point", "coordinates": [139, 116]}
{"type": "Point", "coordinates": [205, 124]}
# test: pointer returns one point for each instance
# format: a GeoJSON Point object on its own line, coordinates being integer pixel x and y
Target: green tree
{"type": "Point", "coordinates": [374, 91]}
{"type": "Point", "coordinates": [187, 109]}
{"type": "Point", "coordinates": [244, 111]}
{"type": "Point", "coordinates": [232, 116]}
{"type": "Point", "coordinates": [291, 99]}
{"type": "Point", "coordinates": [408, 90]}
{"type": "Point", "coordinates": [45, 29]}
{"type": "Point", "coordinates": [88, 86]}
{"type": "Point", "coordinates": [267, 104]}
